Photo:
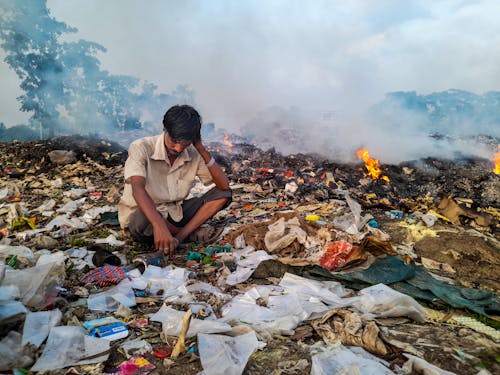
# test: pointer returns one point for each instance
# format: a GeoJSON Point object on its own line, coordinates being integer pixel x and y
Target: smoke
{"type": "Point", "coordinates": [264, 67]}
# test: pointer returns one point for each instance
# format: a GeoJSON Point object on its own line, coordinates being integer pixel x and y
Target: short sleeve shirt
{"type": "Point", "coordinates": [167, 185]}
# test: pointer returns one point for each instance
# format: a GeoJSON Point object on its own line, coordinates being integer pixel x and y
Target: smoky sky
{"type": "Point", "coordinates": [241, 57]}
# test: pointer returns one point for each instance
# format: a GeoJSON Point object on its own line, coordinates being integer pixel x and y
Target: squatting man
{"type": "Point", "coordinates": [159, 173]}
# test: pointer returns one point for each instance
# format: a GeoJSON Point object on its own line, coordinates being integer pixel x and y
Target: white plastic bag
{"type": "Point", "coordinates": [226, 355]}
{"type": "Point", "coordinates": [315, 296]}
{"type": "Point", "coordinates": [10, 309]}
{"type": "Point", "coordinates": [70, 346]}
{"type": "Point", "coordinates": [171, 322]}
{"type": "Point", "coordinates": [38, 325]}
{"type": "Point", "coordinates": [13, 354]}
{"type": "Point", "coordinates": [111, 299]}
{"type": "Point", "coordinates": [71, 206]}
{"type": "Point", "coordinates": [342, 360]}
{"type": "Point", "coordinates": [383, 301]}
{"type": "Point", "coordinates": [247, 260]}
{"type": "Point", "coordinates": [282, 233]}
{"type": "Point", "coordinates": [416, 365]}
{"type": "Point", "coordinates": [23, 253]}
{"type": "Point", "coordinates": [35, 282]}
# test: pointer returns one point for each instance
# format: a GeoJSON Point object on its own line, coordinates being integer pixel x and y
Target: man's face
{"type": "Point", "coordinates": [174, 147]}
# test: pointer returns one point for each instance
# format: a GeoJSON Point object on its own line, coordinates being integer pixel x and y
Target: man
{"type": "Point", "coordinates": [159, 173]}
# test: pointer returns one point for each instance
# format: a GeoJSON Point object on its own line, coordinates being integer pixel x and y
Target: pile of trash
{"type": "Point", "coordinates": [320, 269]}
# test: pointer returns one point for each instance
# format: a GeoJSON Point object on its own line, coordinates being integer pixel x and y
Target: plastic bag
{"type": "Point", "coordinates": [247, 260]}
{"type": "Point", "coordinates": [9, 292]}
{"type": "Point", "coordinates": [171, 323]}
{"type": "Point", "coordinates": [70, 346]}
{"type": "Point", "coordinates": [23, 253]}
{"type": "Point", "coordinates": [136, 347]}
{"type": "Point", "coordinates": [383, 301]}
{"type": "Point", "coordinates": [416, 365]}
{"type": "Point", "coordinates": [342, 360]}
{"type": "Point", "coordinates": [10, 309]}
{"type": "Point", "coordinates": [282, 314]}
{"type": "Point", "coordinates": [66, 221]}
{"type": "Point", "coordinates": [71, 206]}
{"type": "Point", "coordinates": [111, 299]}
{"type": "Point", "coordinates": [13, 353]}
{"type": "Point", "coordinates": [110, 240]}
{"type": "Point", "coordinates": [336, 255]}
{"type": "Point", "coordinates": [282, 233]}
{"type": "Point", "coordinates": [35, 282]}
{"type": "Point", "coordinates": [224, 354]}
{"type": "Point", "coordinates": [38, 325]}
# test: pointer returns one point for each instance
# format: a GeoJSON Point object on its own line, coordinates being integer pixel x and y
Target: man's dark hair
{"type": "Point", "coordinates": [182, 123]}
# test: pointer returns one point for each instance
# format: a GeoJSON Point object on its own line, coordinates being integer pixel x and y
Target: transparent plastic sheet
{"type": "Point", "coordinates": [38, 325]}
{"type": "Point", "coordinates": [10, 309]}
{"type": "Point", "coordinates": [136, 347]}
{"type": "Point", "coordinates": [9, 293]}
{"type": "Point", "coordinates": [111, 299]}
{"type": "Point", "coordinates": [346, 223]}
{"type": "Point", "coordinates": [169, 280]}
{"type": "Point", "coordinates": [23, 253]}
{"type": "Point", "coordinates": [55, 257]}
{"type": "Point", "coordinates": [13, 353]}
{"type": "Point", "coordinates": [171, 323]}
{"type": "Point", "coordinates": [71, 206]}
{"type": "Point", "coordinates": [282, 233]}
{"type": "Point", "coordinates": [316, 296]}
{"type": "Point", "coordinates": [92, 213]}
{"type": "Point", "coordinates": [35, 282]}
{"type": "Point", "coordinates": [383, 301]}
{"type": "Point", "coordinates": [110, 240]}
{"type": "Point", "coordinates": [282, 314]}
{"type": "Point", "coordinates": [416, 365]}
{"type": "Point", "coordinates": [350, 222]}
{"type": "Point", "coordinates": [226, 355]}
{"type": "Point", "coordinates": [66, 221]}
{"type": "Point", "coordinates": [343, 360]}
{"type": "Point", "coordinates": [355, 209]}
{"type": "Point", "coordinates": [207, 288]}
{"type": "Point", "coordinates": [247, 260]}
{"type": "Point", "coordinates": [70, 346]}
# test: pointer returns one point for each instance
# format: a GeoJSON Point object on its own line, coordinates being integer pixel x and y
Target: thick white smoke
{"type": "Point", "coordinates": [307, 58]}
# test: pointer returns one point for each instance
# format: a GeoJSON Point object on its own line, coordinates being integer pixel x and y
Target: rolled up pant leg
{"type": "Point", "coordinates": [140, 228]}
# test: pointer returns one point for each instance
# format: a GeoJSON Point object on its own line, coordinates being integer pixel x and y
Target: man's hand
{"type": "Point", "coordinates": [163, 240]}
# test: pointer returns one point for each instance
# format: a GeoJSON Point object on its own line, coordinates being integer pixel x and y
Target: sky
{"type": "Point", "coordinates": [241, 57]}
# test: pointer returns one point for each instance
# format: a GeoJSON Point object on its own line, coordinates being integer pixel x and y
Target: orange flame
{"type": "Point", "coordinates": [229, 145]}
{"type": "Point", "coordinates": [497, 161]}
{"type": "Point", "coordinates": [371, 165]}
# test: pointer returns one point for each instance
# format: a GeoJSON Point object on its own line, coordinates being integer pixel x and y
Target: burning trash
{"type": "Point", "coordinates": [371, 165]}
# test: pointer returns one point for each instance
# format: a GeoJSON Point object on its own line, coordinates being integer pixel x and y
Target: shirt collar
{"type": "Point", "coordinates": [160, 152]}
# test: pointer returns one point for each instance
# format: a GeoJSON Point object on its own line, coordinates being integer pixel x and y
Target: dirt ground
{"type": "Point", "coordinates": [475, 258]}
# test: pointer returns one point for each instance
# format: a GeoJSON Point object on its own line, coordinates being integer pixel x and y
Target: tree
{"type": "Point", "coordinates": [64, 86]}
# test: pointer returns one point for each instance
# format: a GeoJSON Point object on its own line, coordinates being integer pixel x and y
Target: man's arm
{"type": "Point", "coordinates": [163, 239]}
{"type": "Point", "coordinates": [218, 176]}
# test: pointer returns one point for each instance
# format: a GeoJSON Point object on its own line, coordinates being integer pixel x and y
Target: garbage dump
{"type": "Point", "coordinates": [319, 268]}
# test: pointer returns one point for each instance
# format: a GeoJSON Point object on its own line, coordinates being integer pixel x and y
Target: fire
{"type": "Point", "coordinates": [371, 165]}
{"type": "Point", "coordinates": [227, 142]}
{"type": "Point", "coordinates": [497, 161]}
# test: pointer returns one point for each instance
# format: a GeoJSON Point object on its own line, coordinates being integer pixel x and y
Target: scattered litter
{"type": "Point", "coordinates": [227, 355]}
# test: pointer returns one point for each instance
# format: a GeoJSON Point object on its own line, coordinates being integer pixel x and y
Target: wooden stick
{"type": "Point", "coordinates": [179, 346]}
